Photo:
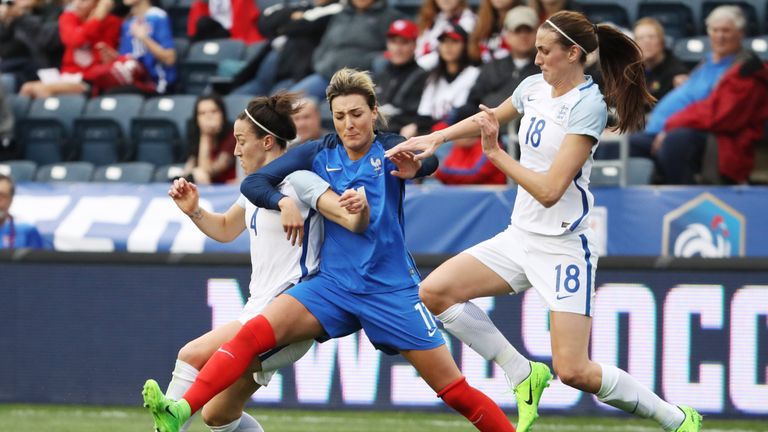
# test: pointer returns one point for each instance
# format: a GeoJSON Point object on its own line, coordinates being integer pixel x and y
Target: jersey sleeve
{"type": "Point", "coordinates": [308, 186]}
{"type": "Point", "coordinates": [517, 95]}
{"type": "Point", "coordinates": [588, 117]}
{"type": "Point", "coordinates": [261, 187]}
{"type": "Point", "coordinates": [161, 31]}
{"type": "Point", "coordinates": [241, 201]}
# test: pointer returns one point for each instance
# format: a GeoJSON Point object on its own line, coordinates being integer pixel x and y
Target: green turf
{"type": "Point", "coordinates": [37, 418]}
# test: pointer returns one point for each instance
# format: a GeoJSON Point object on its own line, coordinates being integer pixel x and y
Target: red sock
{"type": "Point", "coordinates": [230, 361]}
{"type": "Point", "coordinates": [478, 408]}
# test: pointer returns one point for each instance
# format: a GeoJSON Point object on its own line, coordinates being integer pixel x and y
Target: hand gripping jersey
{"type": "Point", "coordinates": [276, 264]}
{"type": "Point", "coordinates": [545, 123]}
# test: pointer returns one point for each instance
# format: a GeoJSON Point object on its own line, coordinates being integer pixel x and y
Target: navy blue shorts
{"type": "Point", "coordinates": [393, 321]}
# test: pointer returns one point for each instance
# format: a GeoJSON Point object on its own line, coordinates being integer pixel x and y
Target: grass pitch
{"type": "Point", "coordinates": [57, 418]}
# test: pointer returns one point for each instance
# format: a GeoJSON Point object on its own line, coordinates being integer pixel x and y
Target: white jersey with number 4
{"type": "Point", "coordinates": [276, 264]}
{"type": "Point", "coordinates": [545, 123]}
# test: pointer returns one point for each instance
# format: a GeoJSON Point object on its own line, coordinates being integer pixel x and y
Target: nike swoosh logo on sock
{"type": "Point", "coordinates": [226, 352]}
{"type": "Point", "coordinates": [478, 420]}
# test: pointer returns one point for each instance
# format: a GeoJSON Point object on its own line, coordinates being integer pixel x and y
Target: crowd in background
{"type": "Point", "coordinates": [431, 70]}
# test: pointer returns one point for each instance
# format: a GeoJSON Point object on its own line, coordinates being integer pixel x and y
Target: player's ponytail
{"type": "Point", "coordinates": [621, 64]}
{"type": "Point", "coordinates": [271, 115]}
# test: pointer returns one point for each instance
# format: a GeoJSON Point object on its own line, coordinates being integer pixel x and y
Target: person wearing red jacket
{"type": "Point", "coordinates": [85, 27]}
{"type": "Point", "coordinates": [735, 112]}
{"type": "Point", "coordinates": [236, 19]}
{"type": "Point", "coordinates": [466, 164]}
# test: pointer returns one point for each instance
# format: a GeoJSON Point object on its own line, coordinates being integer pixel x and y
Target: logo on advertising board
{"type": "Point", "coordinates": [704, 227]}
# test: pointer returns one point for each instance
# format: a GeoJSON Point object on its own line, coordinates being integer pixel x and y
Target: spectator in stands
{"type": "Point", "coordinates": [20, 52]}
{"type": "Point", "coordinates": [354, 38]}
{"type": "Point", "coordinates": [308, 122]}
{"type": "Point", "coordinates": [212, 145]}
{"type": "Point", "coordinates": [466, 164]}
{"type": "Point", "coordinates": [223, 19]}
{"type": "Point", "coordinates": [14, 235]}
{"type": "Point", "coordinates": [663, 71]}
{"type": "Point", "coordinates": [546, 8]}
{"type": "Point", "coordinates": [400, 84]}
{"type": "Point", "coordinates": [486, 42]}
{"type": "Point", "coordinates": [294, 30]}
{"type": "Point", "coordinates": [82, 27]}
{"type": "Point", "coordinates": [499, 78]}
{"type": "Point", "coordinates": [6, 125]}
{"type": "Point", "coordinates": [449, 84]}
{"type": "Point", "coordinates": [433, 19]}
{"type": "Point", "coordinates": [146, 60]}
{"type": "Point", "coordinates": [725, 27]}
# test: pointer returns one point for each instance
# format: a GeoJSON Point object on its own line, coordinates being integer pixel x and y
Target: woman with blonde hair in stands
{"type": "Point", "coordinates": [663, 71]}
{"type": "Point", "coordinates": [549, 245]}
{"type": "Point", "coordinates": [433, 19]}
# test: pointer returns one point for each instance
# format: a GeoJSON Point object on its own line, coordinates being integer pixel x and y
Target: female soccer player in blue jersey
{"type": "Point", "coordinates": [366, 280]}
{"type": "Point", "coordinates": [549, 244]}
{"type": "Point", "coordinates": [261, 132]}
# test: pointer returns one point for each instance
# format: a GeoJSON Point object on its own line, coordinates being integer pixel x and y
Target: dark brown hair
{"type": "Point", "coordinates": [274, 113]}
{"type": "Point", "coordinates": [489, 21]}
{"type": "Point", "coordinates": [621, 64]}
{"type": "Point", "coordinates": [429, 11]}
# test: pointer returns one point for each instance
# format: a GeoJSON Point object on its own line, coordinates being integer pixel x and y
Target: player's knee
{"type": "Point", "coordinates": [194, 354]}
{"type": "Point", "coordinates": [571, 374]}
{"type": "Point", "coordinates": [219, 416]}
{"type": "Point", "coordinates": [435, 296]}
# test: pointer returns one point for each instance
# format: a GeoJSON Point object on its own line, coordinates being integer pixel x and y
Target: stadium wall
{"type": "Point", "coordinates": [80, 328]}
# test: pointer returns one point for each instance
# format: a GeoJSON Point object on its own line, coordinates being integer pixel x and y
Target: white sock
{"type": "Point", "coordinates": [246, 423]}
{"type": "Point", "coordinates": [182, 377]}
{"type": "Point", "coordinates": [620, 390]}
{"type": "Point", "coordinates": [472, 326]}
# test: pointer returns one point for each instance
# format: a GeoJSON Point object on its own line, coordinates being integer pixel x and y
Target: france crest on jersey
{"type": "Point", "coordinates": [545, 123]}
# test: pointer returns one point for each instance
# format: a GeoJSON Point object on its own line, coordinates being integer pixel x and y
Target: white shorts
{"type": "Point", "coordinates": [279, 357]}
{"type": "Point", "coordinates": [560, 268]}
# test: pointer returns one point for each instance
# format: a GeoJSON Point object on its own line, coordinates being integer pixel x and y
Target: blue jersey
{"type": "Point", "coordinates": [375, 260]}
{"type": "Point", "coordinates": [160, 31]}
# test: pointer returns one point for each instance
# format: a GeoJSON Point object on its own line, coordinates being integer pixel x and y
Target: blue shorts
{"type": "Point", "coordinates": [393, 321]}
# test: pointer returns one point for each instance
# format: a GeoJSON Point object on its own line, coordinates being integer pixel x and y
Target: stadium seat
{"type": "Point", "coordinates": [235, 104]}
{"type": "Point", "coordinates": [128, 172]}
{"type": "Point", "coordinates": [759, 45]}
{"type": "Point", "coordinates": [166, 173]}
{"type": "Point", "coordinates": [639, 171]}
{"type": "Point", "coordinates": [19, 105]}
{"type": "Point", "coordinates": [19, 170]}
{"type": "Point", "coordinates": [43, 134]}
{"type": "Point", "coordinates": [753, 10]}
{"type": "Point", "coordinates": [101, 133]}
{"type": "Point", "coordinates": [693, 50]}
{"type": "Point", "coordinates": [254, 49]}
{"type": "Point", "coordinates": [605, 12]}
{"type": "Point", "coordinates": [65, 172]}
{"type": "Point", "coordinates": [677, 18]}
{"type": "Point", "coordinates": [203, 59]}
{"type": "Point", "coordinates": [159, 135]}
{"type": "Point", "coordinates": [181, 44]}
{"type": "Point", "coordinates": [8, 83]}
{"type": "Point", "coordinates": [179, 14]}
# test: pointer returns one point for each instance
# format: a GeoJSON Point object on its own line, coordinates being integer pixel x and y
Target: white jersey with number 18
{"type": "Point", "coordinates": [545, 123]}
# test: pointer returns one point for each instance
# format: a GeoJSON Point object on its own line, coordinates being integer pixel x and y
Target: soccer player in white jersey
{"type": "Point", "coordinates": [549, 244]}
{"type": "Point", "coordinates": [262, 132]}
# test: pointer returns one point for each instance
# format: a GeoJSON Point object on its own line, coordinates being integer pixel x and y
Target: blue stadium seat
{"type": "Point", "coordinates": [753, 11]}
{"type": "Point", "coordinates": [167, 173]}
{"type": "Point", "coordinates": [605, 12]}
{"type": "Point", "coordinates": [101, 133]}
{"type": "Point", "coordinates": [44, 133]}
{"type": "Point", "coordinates": [159, 134]}
{"type": "Point", "coordinates": [692, 50]}
{"type": "Point", "coordinates": [19, 170]}
{"type": "Point", "coordinates": [19, 105]}
{"type": "Point", "coordinates": [128, 172]}
{"type": "Point", "coordinates": [65, 172]}
{"type": "Point", "coordinates": [677, 18]}
{"type": "Point", "coordinates": [203, 59]}
{"type": "Point", "coordinates": [181, 44]}
{"type": "Point", "coordinates": [235, 104]}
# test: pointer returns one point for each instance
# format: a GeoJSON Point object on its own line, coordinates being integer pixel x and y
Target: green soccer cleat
{"type": "Point", "coordinates": [692, 422]}
{"type": "Point", "coordinates": [528, 393]}
{"type": "Point", "coordinates": [168, 415]}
